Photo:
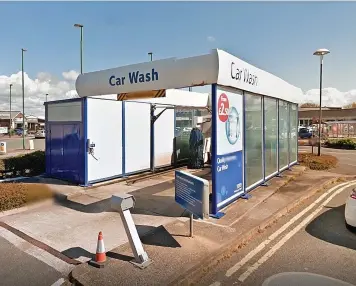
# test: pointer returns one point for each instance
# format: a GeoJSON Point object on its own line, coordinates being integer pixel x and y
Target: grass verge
{"type": "Point", "coordinates": [15, 195]}
{"type": "Point", "coordinates": [314, 162]}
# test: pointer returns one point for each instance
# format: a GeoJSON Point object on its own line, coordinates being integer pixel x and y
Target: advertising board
{"type": "Point", "coordinates": [227, 155]}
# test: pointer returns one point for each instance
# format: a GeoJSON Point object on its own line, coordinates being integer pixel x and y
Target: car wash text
{"type": "Point", "coordinates": [243, 75]}
{"type": "Point", "coordinates": [134, 77]}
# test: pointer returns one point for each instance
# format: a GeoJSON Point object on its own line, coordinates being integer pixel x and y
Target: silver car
{"type": "Point", "coordinates": [40, 134]}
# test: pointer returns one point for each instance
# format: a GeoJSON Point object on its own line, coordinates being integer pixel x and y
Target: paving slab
{"type": "Point", "coordinates": [175, 255]}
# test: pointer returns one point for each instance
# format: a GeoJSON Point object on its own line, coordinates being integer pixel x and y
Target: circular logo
{"type": "Point", "coordinates": [223, 107]}
{"type": "Point", "coordinates": [232, 126]}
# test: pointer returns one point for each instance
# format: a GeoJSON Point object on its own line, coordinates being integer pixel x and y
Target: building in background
{"type": "Point", "coordinates": [336, 121]}
{"type": "Point", "coordinates": [32, 123]}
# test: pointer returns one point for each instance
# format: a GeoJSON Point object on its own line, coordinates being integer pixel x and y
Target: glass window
{"type": "Point", "coordinates": [293, 141]}
{"type": "Point", "coordinates": [271, 135]}
{"type": "Point", "coordinates": [283, 134]}
{"type": "Point", "coordinates": [253, 139]}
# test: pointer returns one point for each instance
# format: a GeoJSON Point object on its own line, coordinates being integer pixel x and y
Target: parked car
{"type": "Point", "coordinates": [19, 131]}
{"type": "Point", "coordinates": [40, 134]}
{"type": "Point", "coordinates": [350, 210]}
{"type": "Point", "coordinates": [305, 133]}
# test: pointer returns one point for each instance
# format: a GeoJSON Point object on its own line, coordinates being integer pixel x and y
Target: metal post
{"type": "Point", "coordinates": [23, 101]}
{"type": "Point", "coordinates": [46, 96]}
{"type": "Point", "coordinates": [320, 115]}
{"type": "Point", "coordinates": [191, 225]}
{"type": "Point", "coordinates": [81, 50]}
{"type": "Point", "coordinates": [10, 119]}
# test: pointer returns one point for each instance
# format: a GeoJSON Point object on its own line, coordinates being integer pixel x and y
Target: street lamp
{"type": "Point", "coordinates": [10, 113]}
{"type": "Point", "coordinates": [150, 54]}
{"type": "Point", "coordinates": [23, 100]}
{"type": "Point", "coordinates": [81, 45]}
{"type": "Point", "coordinates": [321, 53]}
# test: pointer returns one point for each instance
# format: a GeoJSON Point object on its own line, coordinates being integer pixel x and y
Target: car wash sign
{"type": "Point", "coordinates": [228, 155]}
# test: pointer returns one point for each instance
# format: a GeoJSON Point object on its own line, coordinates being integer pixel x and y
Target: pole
{"type": "Point", "coordinates": [81, 49]}
{"type": "Point", "coordinates": [320, 115]}
{"type": "Point", "coordinates": [191, 225]}
{"type": "Point", "coordinates": [10, 113]}
{"type": "Point", "coordinates": [46, 96]}
{"type": "Point", "coordinates": [23, 102]}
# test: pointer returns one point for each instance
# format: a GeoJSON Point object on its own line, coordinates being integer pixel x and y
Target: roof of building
{"type": "Point", "coordinates": [4, 114]}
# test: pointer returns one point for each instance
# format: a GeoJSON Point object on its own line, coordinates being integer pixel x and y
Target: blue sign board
{"type": "Point", "coordinates": [189, 191]}
{"type": "Point", "coordinates": [227, 143]}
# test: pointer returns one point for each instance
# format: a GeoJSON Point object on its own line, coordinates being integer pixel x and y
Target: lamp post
{"type": "Point", "coordinates": [23, 100]}
{"type": "Point", "coordinates": [81, 45]}
{"type": "Point", "coordinates": [46, 96]}
{"type": "Point", "coordinates": [150, 54]}
{"type": "Point", "coordinates": [321, 53]}
{"type": "Point", "coordinates": [10, 113]}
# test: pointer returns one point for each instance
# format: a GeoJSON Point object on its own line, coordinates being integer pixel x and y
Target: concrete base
{"type": "Point", "coordinates": [97, 264]}
{"type": "Point", "coordinates": [142, 265]}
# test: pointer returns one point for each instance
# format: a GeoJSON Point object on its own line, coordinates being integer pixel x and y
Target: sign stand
{"type": "Point", "coordinates": [191, 225]}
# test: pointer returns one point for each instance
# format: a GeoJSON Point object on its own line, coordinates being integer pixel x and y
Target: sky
{"type": "Point", "coordinates": [279, 37]}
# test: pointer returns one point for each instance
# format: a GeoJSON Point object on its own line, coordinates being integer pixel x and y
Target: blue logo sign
{"type": "Point", "coordinates": [232, 126]}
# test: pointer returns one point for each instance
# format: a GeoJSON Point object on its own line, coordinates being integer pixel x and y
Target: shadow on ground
{"type": "Point", "coordinates": [156, 200]}
{"type": "Point", "coordinates": [150, 235]}
{"type": "Point", "coordinates": [330, 227]}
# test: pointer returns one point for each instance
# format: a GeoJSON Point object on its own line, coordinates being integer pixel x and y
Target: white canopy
{"type": "Point", "coordinates": [217, 67]}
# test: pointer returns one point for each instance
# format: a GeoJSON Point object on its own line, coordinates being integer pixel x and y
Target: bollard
{"type": "Point", "coordinates": [2, 147]}
{"type": "Point", "coordinates": [32, 145]}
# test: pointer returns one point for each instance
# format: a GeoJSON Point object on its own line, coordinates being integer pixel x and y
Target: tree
{"type": "Point", "coordinates": [351, 105]}
{"type": "Point", "coordinates": [309, 104]}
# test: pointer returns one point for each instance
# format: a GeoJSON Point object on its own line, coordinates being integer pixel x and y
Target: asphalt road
{"type": "Point", "coordinates": [19, 268]}
{"type": "Point", "coordinates": [15, 142]}
{"type": "Point", "coordinates": [313, 240]}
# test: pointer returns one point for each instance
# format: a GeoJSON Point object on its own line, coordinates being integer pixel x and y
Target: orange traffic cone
{"type": "Point", "coordinates": [100, 256]}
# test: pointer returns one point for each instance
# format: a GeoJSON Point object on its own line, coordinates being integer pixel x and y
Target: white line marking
{"type": "Point", "coordinates": [273, 236]}
{"type": "Point", "coordinates": [59, 282]}
{"type": "Point", "coordinates": [216, 283]}
{"type": "Point", "coordinates": [36, 252]}
{"type": "Point", "coordinates": [279, 244]}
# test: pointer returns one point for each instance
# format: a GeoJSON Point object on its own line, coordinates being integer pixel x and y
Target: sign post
{"type": "Point", "coordinates": [227, 151]}
{"type": "Point", "coordinates": [192, 194]}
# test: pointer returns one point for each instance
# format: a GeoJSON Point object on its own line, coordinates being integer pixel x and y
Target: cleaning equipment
{"type": "Point", "coordinates": [100, 256]}
{"type": "Point", "coordinates": [196, 149]}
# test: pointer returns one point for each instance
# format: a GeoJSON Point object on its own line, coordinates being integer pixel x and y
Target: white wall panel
{"type": "Point", "coordinates": [164, 136]}
{"type": "Point", "coordinates": [105, 130]}
{"type": "Point", "coordinates": [137, 137]}
{"type": "Point", "coordinates": [66, 111]}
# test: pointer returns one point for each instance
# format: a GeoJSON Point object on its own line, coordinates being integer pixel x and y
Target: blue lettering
{"type": "Point", "coordinates": [133, 77]}
{"type": "Point", "coordinates": [111, 80]}
{"type": "Point", "coordinates": [154, 75]}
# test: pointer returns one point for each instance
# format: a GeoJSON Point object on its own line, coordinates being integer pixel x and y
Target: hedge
{"type": "Point", "coordinates": [31, 164]}
{"type": "Point", "coordinates": [15, 195]}
{"type": "Point", "coordinates": [346, 143]}
{"type": "Point", "coordinates": [314, 162]}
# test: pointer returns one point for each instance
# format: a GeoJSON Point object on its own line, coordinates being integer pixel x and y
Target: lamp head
{"type": "Point", "coordinates": [321, 52]}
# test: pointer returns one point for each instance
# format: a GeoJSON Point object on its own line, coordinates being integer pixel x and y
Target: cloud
{"type": "Point", "coordinates": [35, 90]}
{"type": "Point", "coordinates": [330, 97]}
{"type": "Point", "coordinates": [70, 75]}
{"type": "Point", "coordinates": [210, 39]}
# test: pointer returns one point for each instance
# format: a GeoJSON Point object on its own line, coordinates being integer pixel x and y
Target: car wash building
{"type": "Point", "coordinates": [253, 128]}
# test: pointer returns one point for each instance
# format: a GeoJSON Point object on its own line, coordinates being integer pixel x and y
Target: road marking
{"type": "Point", "coordinates": [279, 244]}
{"type": "Point", "coordinates": [273, 236]}
{"type": "Point", "coordinates": [36, 252]}
{"type": "Point", "coordinates": [216, 283]}
{"type": "Point", "coordinates": [58, 282]}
